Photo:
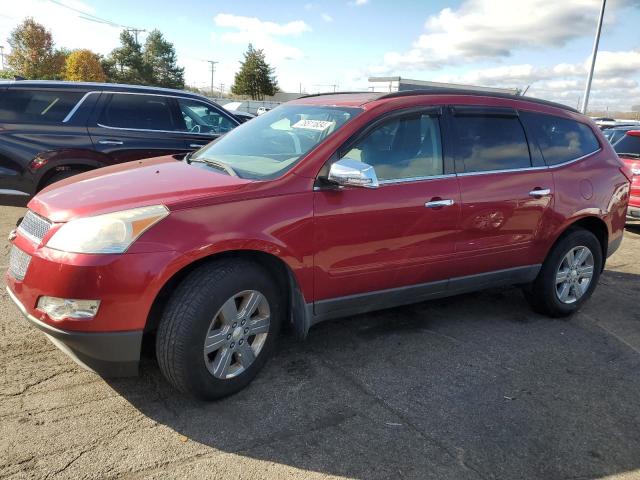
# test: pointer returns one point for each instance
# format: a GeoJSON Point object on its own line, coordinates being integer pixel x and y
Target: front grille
{"type": "Point", "coordinates": [18, 263]}
{"type": "Point", "coordinates": [34, 227]}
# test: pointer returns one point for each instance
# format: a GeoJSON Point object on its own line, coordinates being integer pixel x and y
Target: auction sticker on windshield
{"type": "Point", "coordinates": [319, 125]}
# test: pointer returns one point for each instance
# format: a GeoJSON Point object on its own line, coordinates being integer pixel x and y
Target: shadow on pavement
{"type": "Point", "coordinates": [475, 386]}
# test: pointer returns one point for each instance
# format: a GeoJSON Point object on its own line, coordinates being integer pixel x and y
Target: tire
{"type": "Point", "coordinates": [195, 311]}
{"type": "Point", "coordinates": [60, 176]}
{"type": "Point", "coordinates": [544, 293]}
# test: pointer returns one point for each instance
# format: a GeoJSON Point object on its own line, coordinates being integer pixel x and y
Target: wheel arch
{"type": "Point", "coordinates": [593, 224]}
{"type": "Point", "coordinates": [282, 273]}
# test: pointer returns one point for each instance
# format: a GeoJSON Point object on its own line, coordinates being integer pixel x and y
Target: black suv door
{"type": "Point", "coordinates": [132, 126]}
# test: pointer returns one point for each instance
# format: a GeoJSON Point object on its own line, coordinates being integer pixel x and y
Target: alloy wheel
{"type": "Point", "coordinates": [237, 334]}
{"type": "Point", "coordinates": [574, 274]}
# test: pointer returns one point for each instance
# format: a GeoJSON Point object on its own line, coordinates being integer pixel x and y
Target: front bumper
{"type": "Point", "coordinates": [109, 354]}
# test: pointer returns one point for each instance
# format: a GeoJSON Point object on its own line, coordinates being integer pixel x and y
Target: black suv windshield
{"type": "Point", "coordinates": [272, 143]}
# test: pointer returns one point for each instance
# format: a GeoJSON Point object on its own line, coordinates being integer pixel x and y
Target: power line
{"type": "Point", "coordinates": [93, 18]}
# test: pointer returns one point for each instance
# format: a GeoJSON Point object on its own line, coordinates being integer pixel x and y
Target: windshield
{"type": "Point", "coordinates": [272, 143]}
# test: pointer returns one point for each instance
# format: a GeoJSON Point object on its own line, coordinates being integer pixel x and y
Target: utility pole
{"type": "Point", "coordinates": [135, 32]}
{"type": "Point", "coordinates": [213, 69]}
{"type": "Point", "coordinates": [221, 89]}
{"type": "Point", "coordinates": [587, 89]}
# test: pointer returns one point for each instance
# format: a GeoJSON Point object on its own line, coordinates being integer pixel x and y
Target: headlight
{"type": "Point", "coordinates": [108, 233]}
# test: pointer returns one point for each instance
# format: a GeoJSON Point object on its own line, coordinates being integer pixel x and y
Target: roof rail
{"type": "Point", "coordinates": [333, 93]}
{"type": "Point", "coordinates": [457, 91]}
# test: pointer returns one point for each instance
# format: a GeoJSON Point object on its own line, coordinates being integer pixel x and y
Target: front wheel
{"type": "Point", "coordinates": [219, 328]}
{"type": "Point", "coordinates": [568, 276]}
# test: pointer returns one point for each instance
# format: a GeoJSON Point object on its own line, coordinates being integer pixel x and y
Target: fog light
{"type": "Point", "coordinates": [59, 308]}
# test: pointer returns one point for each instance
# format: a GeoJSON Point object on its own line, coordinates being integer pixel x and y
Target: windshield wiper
{"type": "Point", "coordinates": [628, 154]}
{"type": "Point", "coordinates": [217, 165]}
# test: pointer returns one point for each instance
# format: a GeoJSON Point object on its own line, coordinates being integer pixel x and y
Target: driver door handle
{"type": "Point", "coordinates": [439, 203]}
{"type": "Point", "coordinates": [110, 142]}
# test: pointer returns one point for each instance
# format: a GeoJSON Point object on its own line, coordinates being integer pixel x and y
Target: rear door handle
{"type": "Point", "coordinates": [439, 203]}
{"type": "Point", "coordinates": [110, 142]}
{"type": "Point", "coordinates": [540, 192]}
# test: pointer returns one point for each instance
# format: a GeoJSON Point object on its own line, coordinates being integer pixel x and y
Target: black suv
{"type": "Point", "coordinates": [52, 130]}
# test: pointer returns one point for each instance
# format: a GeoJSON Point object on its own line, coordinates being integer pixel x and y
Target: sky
{"type": "Point", "coordinates": [314, 45]}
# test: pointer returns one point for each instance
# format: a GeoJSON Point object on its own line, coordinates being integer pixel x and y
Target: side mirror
{"type": "Point", "coordinates": [353, 173]}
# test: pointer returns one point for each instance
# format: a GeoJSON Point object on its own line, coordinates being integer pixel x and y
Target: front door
{"type": "Point", "coordinates": [202, 122]}
{"type": "Point", "coordinates": [397, 235]}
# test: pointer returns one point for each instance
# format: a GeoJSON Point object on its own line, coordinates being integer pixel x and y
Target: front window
{"type": "Point", "coordinates": [274, 142]}
{"type": "Point", "coordinates": [202, 118]}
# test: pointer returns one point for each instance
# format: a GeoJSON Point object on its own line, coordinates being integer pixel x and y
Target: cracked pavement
{"type": "Point", "coordinates": [472, 387]}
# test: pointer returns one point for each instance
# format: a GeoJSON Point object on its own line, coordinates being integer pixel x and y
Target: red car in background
{"type": "Point", "coordinates": [628, 148]}
{"type": "Point", "coordinates": [328, 206]}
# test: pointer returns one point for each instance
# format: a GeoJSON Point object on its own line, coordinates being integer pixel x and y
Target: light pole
{"type": "Point", "coordinates": [596, 41]}
{"type": "Point", "coordinates": [213, 69]}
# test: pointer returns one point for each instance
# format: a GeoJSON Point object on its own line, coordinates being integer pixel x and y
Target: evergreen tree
{"type": "Point", "coordinates": [161, 62]}
{"type": "Point", "coordinates": [256, 77]}
{"type": "Point", "coordinates": [126, 63]}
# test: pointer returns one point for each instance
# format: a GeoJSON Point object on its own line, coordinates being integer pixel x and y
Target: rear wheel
{"type": "Point", "coordinates": [568, 276]}
{"type": "Point", "coordinates": [219, 328]}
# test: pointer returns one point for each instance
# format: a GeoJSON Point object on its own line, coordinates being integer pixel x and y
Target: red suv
{"type": "Point", "coordinates": [327, 206]}
{"type": "Point", "coordinates": [628, 148]}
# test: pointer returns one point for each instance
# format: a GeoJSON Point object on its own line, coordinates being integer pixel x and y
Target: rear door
{"type": "Point", "coordinates": [33, 121]}
{"type": "Point", "coordinates": [506, 191]}
{"type": "Point", "coordinates": [202, 122]}
{"type": "Point", "coordinates": [132, 126]}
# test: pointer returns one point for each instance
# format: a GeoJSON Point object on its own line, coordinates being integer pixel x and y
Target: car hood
{"type": "Point", "coordinates": [162, 180]}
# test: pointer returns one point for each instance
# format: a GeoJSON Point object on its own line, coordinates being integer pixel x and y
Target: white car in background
{"type": "Point", "coordinates": [262, 110]}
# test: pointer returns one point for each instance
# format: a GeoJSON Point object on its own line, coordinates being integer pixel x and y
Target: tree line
{"type": "Point", "coordinates": [34, 56]}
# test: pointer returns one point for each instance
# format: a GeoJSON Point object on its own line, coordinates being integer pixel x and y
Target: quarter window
{"type": "Point", "coordinates": [560, 139]}
{"type": "Point", "coordinates": [407, 147]}
{"type": "Point", "coordinates": [485, 143]}
{"type": "Point", "coordinates": [36, 106]}
{"type": "Point", "coordinates": [202, 118]}
{"type": "Point", "coordinates": [142, 112]}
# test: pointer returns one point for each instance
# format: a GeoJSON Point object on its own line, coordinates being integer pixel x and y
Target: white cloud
{"type": "Point", "coordinates": [493, 29]}
{"type": "Point", "coordinates": [245, 30]}
{"type": "Point", "coordinates": [69, 30]}
{"type": "Point", "coordinates": [326, 17]}
{"type": "Point", "coordinates": [358, 3]}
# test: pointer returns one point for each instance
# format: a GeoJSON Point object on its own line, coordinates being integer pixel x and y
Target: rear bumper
{"type": "Point", "coordinates": [109, 354]}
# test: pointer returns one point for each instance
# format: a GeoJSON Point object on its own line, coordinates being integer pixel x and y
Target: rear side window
{"type": "Point", "coordinates": [37, 106]}
{"type": "Point", "coordinates": [484, 142]}
{"type": "Point", "coordinates": [140, 112]}
{"type": "Point", "coordinates": [560, 139]}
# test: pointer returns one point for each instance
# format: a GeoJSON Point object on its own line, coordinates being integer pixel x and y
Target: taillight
{"type": "Point", "coordinates": [627, 172]}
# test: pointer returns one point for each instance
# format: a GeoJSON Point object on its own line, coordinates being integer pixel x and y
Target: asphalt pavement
{"type": "Point", "coordinates": [471, 387]}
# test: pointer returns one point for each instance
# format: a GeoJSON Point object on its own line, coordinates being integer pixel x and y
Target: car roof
{"type": "Point", "coordinates": [361, 99]}
{"type": "Point", "coordinates": [89, 86]}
